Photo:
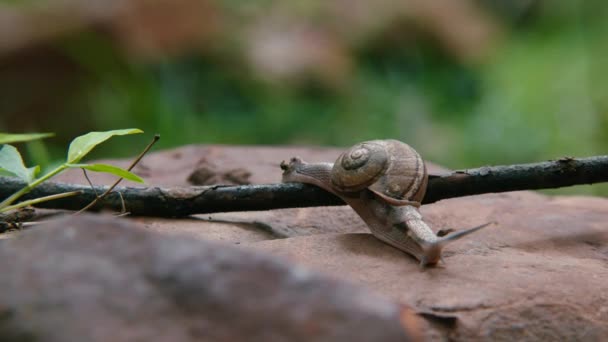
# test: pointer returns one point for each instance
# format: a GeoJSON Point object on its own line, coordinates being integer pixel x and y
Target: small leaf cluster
{"type": "Point", "coordinates": [12, 165]}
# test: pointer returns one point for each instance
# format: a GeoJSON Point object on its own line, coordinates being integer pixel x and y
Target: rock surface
{"type": "Point", "coordinates": [540, 273]}
{"type": "Point", "coordinates": [103, 279]}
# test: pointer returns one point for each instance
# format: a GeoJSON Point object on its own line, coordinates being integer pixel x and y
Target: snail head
{"type": "Point", "coordinates": [299, 171]}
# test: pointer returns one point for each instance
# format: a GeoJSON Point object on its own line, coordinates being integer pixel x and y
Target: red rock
{"type": "Point", "coordinates": [540, 273]}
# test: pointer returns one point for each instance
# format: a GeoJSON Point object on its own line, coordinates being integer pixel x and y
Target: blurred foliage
{"type": "Point", "coordinates": [467, 83]}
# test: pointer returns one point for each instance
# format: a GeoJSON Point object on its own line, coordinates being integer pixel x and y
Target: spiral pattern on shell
{"type": "Point", "coordinates": [359, 167]}
{"type": "Point", "coordinates": [391, 169]}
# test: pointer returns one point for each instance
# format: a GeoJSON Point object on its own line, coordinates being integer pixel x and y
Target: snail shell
{"type": "Point", "coordinates": [393, 170]}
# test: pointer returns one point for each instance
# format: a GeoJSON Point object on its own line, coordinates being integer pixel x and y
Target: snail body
{"type": "Point", "coordinates": [384, 181]}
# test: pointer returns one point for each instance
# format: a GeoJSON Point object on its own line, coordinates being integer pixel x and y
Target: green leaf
{"type": "Point", "coordinates": [5, 173]}
{"type": "Point", "coordinates": [83, 144]}
{"type": "Point", "coordinates": [11, 164]}
{"type": "Point", "coordinates": [6, 138]}
{"type": "Point", "coordinates": [115, 170]}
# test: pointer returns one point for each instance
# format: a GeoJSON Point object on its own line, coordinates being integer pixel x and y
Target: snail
{"type": "Point", "coordinates": [384, 181]}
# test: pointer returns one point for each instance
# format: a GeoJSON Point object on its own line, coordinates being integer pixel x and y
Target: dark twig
{"type": "Point", "coordinates": [544, 175]}
{"type": "Point", "coordinates": [109, 190]}
{"type": "Point", "coordinates": [173, 202]}
{"type": "Point", "coordinates": [13, 220]}
{"type": "Point", "coordinates": [84, 171]}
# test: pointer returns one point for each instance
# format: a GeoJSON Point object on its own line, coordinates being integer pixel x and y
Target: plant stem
{"type": "Point", "coordinates": [99, 198]}
{"type": "Point", "coordinates": [40, 200]}
{"type": "Point", "coordinates": [8, 201]}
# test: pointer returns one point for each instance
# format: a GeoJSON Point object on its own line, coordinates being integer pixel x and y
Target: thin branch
{"type": "Point", "coordinates": [109, 190]}
{"type": "Point", "coordinates": [174, 202]}
{"type": "Point", "coordinates": [544, 175]}
{"type": "Point", "coordinates": [38, 200]}
{"type": "Point", "coordinates": [84, 171]}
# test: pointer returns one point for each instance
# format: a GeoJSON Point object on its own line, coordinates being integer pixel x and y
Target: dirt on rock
{"type": "Point", "coordinates": [540, 273]}
{"type": "Point", "coordinates": [208, 173]}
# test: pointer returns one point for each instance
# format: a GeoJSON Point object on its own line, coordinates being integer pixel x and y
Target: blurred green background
{"type": "Point", "coordinates": [467, 83]}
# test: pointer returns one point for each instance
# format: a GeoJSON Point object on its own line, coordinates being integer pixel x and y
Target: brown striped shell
{"type": "Point", "coordinates": [391, 169]}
